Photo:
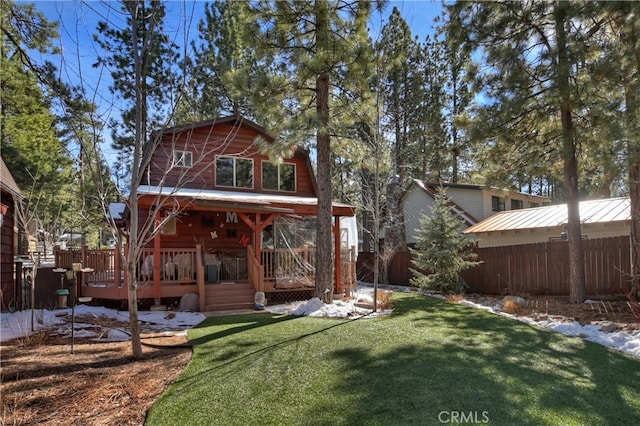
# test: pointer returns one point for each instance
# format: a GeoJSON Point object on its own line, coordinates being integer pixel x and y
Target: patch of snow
{"type": "Point", "coordinates": [620, 340]}
{"type": "Point", "coordinates": [18, 324]}
{"type": "Point", "coordinates": [338, 309]}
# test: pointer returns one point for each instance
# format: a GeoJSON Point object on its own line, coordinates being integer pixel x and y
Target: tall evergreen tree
{"type": "Point", "coordinates": [398, 49]}
{"type": "Point", "coordinates": [313, 57]}
{"type": "Point", "coordinates": [456, 63]}
{"type": "Point", "coordinates": [219, 52]}
{"type": "Point", "coordinates": [623, 49]}
{"type": "Point", "coordinates": [530, 51]}
{"type": "Point", "coordinates": [31, 148]}
{"type": "Point", "coordinates": [432, 159]}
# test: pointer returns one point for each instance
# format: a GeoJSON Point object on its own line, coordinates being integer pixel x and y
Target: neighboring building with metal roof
{"type": "Point", "coordinates": [600, 219]}
{"type": "Point", "coordinates": [472, 203]}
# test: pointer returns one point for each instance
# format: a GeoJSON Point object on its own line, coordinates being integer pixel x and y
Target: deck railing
{"type": "Point", "coordinates": [288, 265]}
{"type": "Point", "coordinates": [176, 266]}
{"type": "Point", "coordinates": [291, 268]}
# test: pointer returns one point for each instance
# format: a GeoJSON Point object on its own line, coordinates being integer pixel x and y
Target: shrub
{"type": "Point", "coordinates": [512, 307]}
{"type": "Point", "coordinates": [442, 251]}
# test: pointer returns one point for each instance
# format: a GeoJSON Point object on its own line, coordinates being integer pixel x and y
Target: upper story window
{"type": "Point", "coordinates": [497, 204]}
{"type": "Point", "coordinates": [517, 204]}
{"type": "Point", "coordinates": [182, 158]}
{"type": "Point", "coordinates": [279, 177]}
{"type": "Point", "coordinates": [234, 172]}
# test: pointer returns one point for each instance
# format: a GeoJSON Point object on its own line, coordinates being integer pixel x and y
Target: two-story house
{"type": "Point", "coordinates": [236, 222]}
{"type": "Point", "coordinates": [472, 203]}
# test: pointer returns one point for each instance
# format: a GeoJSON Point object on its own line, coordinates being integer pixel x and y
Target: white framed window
{"type": "Point", "coordinates": [182, 159]}
{"type": "Point", "coordinates": [235, 172]}
{"type": "Point", "coordinates": [279, 177]}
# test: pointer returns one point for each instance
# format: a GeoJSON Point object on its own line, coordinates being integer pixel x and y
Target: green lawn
{"type": "Point", "coordinates": [430, 361]}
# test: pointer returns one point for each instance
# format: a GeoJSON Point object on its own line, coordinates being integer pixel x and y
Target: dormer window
{"type": "Point", "coordinates": [182, 159]}
{"type": "Point", "coordinates": [279, 177]}
{"type": "Point", "coordinates": [234, 172]}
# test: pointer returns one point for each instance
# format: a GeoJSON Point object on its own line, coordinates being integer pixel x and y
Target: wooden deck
{"type": "Point", "coordinates": [172, 273]}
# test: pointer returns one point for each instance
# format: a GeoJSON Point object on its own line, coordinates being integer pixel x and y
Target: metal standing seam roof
{"type": "Point", "coordinates": [593, 211]}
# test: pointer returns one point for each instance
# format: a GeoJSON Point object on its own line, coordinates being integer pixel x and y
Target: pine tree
{"type": "Point", "coordinates": [442, 252]}
{"type": "Point", "coordinates": [531, 53]}
{"type": "Point", "coordinates": [218, 54]}
{"type": "Point", "coordinates": [30, 145]}
{"type": "Point", "coordinates": [313, 59]}
{"type": "Point", "coordinates": [456, 64]}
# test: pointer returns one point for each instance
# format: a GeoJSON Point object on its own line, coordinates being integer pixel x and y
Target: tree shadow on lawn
{"type": "Point", "coordinates": [428, 360]}
{"type": "Point", "coordinates": [238, 349]}
{"type": "Point", "coordinates": [486, 367]}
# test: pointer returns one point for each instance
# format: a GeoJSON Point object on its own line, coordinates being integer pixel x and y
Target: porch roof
{"type": "Point", "coordinates": [248, 200]}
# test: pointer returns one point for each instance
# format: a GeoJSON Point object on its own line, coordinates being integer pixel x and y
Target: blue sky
{"type": "Point", "coordinates": [78, 21]}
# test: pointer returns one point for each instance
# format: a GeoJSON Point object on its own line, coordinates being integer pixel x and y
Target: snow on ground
{"type": "Point", "coordinates": [18, 324]}
{"type": "Point", "coordinates": [357, 307]}
{"type": "Point", "coordinates": [620, 340]}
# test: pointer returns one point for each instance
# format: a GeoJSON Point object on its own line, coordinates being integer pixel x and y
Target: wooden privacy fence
{"type": "Point", "coordinates": [534, 269]}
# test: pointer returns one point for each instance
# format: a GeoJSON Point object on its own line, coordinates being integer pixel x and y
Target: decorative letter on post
{"type": "Point", "coordinates": [232, 217]}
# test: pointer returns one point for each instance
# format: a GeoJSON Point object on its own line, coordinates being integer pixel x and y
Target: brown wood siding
{"type": "Point", "coordinates": [197, 227]}
{"type": "Point", "coordinates": [7, 278]}
{"type": "Point", "coordinates": [206, 144]}
{"type": "Point", "coordinates": [531, 269]}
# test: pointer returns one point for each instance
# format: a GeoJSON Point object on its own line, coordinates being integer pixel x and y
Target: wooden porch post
{"type": "Point", "coordinates": [157, 268]}
{"type": "Point", "coordinates": [202, 296]}
{"type": "Point", "coordinates": [257, 238]}
{"type": "Point", "coordinates": [337, 260]}
{"type": "Point", "coordinates": [257, 227]}
{"type": "Point", "coordinates": [116, 265]}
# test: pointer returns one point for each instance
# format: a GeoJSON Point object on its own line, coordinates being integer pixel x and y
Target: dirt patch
{"type": "Point", "coordinates": [99, 384]}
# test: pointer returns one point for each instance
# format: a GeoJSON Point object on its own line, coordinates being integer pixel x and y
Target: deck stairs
{"type": "Point", "coordinates": [228, 296]}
